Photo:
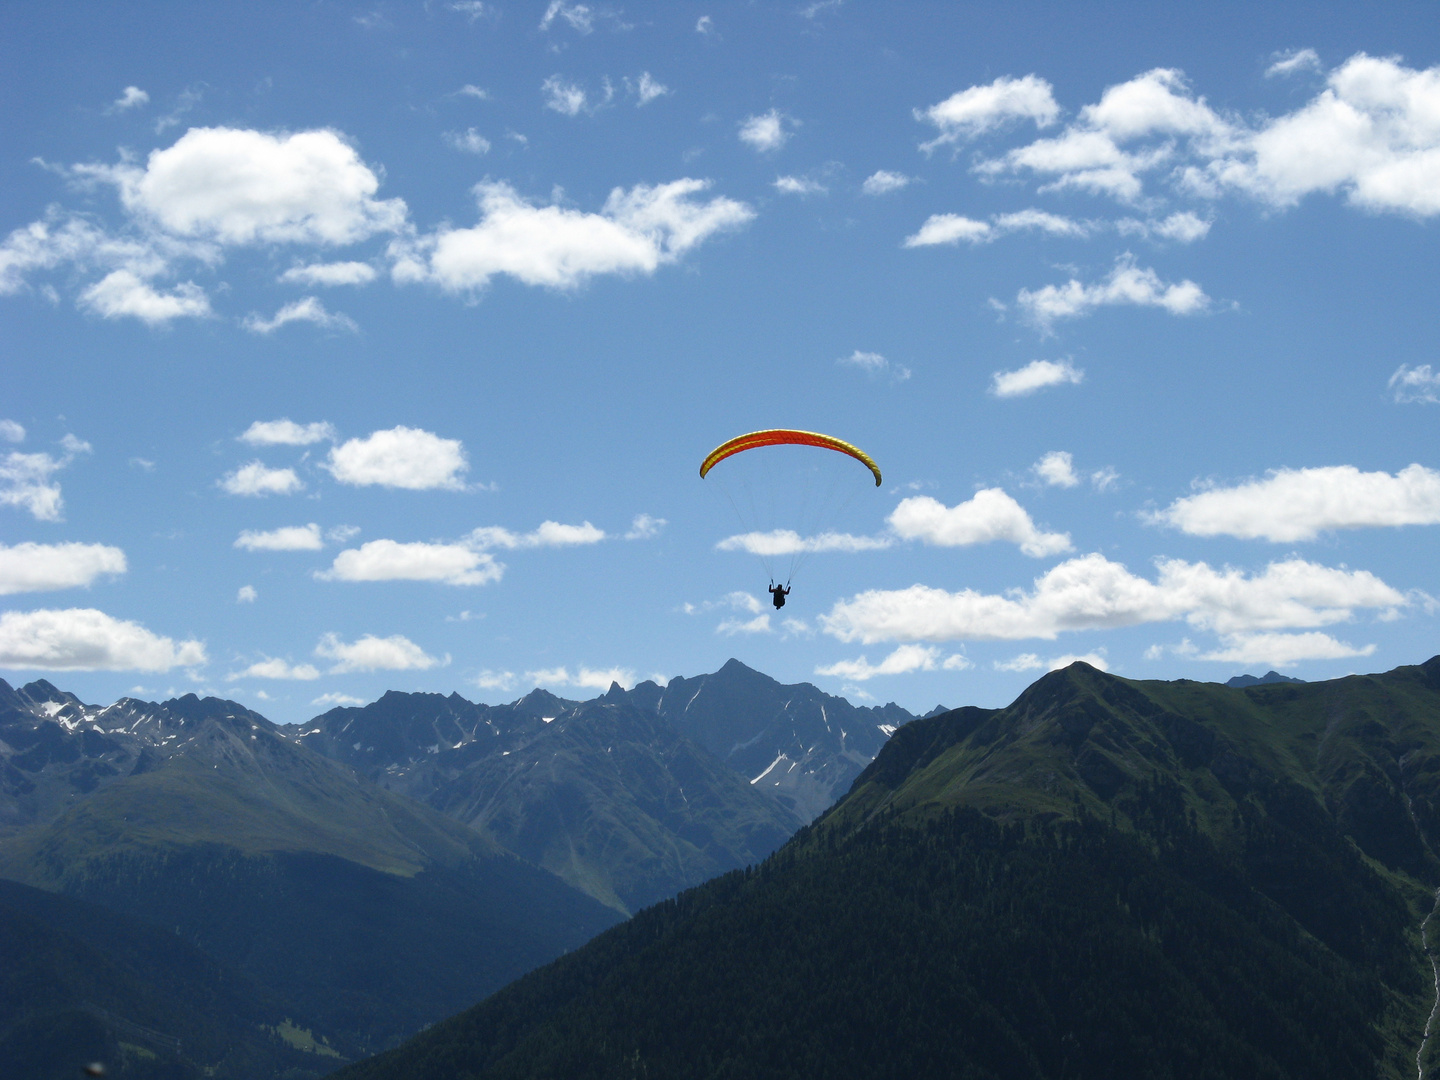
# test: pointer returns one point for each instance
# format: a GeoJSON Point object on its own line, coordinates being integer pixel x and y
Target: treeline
{"type": "Point", "coordinates": [963, 948]}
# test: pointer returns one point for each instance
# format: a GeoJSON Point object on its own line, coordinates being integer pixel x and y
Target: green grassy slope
{"type": "Point", "coordinates": [1107, 878]}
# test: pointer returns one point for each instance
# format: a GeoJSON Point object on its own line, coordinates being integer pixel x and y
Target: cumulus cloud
{"type": "Point", "coordinates": [568, 99]}
{"type": "Point", "coordinates": [246, 594]}
{"type": "Point", "coordinates": [1281, 649]}
{"type": "Point", "coordinates": [275, 668]}
{"type": "Point", "coordinates": [903, 660]}
{"type": "Point", "coordinates": [494, 680]}
{"type": "Point", "coordinates": [31, 567]}
{"type": "Point", "coordinates": [1293, 60]}
{"type": "Point", "coordinates": [10, 431]}
{"type": "Point", "coordinates": [874, 364]}
{"type": "Point", "coordinates": [1417, 384]}
{"type": "Point", "coordinates": [1369, 135]}
{"type": "Point", "coordinates": [580, 16]}
{"type": "Point", "coordinates": [643, 527]}
{"type": "Point", "coordinates": [334, 699]}
{"type": "Point", "coordinates": [1057, 468]}
{"type": "Point", "coordinates": [1183, 227]}
{"type": "Point", "coordinates": [585, 677]}
{"type": "Point", "coordinates": [789, 542]}
{"type": "Point", "coordinates": [307, 309]}
{"type": "Point", "coordinates": [1299, 504]}
{"type": "Point", "coordinates": [256, 479]}
{"type": "Point", "coordinates": [1024, 662]}
{"type": "Point", "coordinates": [469, 141]}
{"type": "Point", "coordinates": [767, 131]}
{"type": "Point", "coordinates": [646, 89]}
{"type": "Point", "coordinates": [371, 653]}
{"type": "Point", "coordinates": [391, 560]}
{"type": "Point", "coordinates": [549, 534]}
{"type": "Point", "coordinates": [990, 515]}
{"type": "Point", "coordinates": [83, 639]}
{"type": "Point", "coordinates": [132, 97]}
{"type": "Point", "coordinates": [237, 186]}
{"type": "Point", "coordinates": [1036, 375]}
{"type": "Point", "coordinates": [883, 181]}
{"type": "Point", "coordinates": [25, 482]}
{"type": "Point", "coordinates": [952, 228]}
{"type": "Point", "coordinates": [636, 232]}
{"type": "Point", "coordinates": [285, 432]}
{"type": "Point", "coordinates": [969, 113]}
{"type": "Point", "coordinates": [400, 457]}
{"type": "Point", "coordinates": [760, 624]}
{"type": "Point", "coordinates": [288, 538]}
{"type": "Point", "coordinates": [123, 293]}
{"type": "Point", "coordinates": [799, 185]}
{"type": "Point", "coordinates": [1092, 593]}
{"type": "Point", "coordinates": [1125, 284]}
{"type": "Point", "coordinates": [335, 273]}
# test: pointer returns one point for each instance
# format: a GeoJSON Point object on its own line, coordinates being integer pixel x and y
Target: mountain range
{"type": "Point", "coordinates": [1105, 878]}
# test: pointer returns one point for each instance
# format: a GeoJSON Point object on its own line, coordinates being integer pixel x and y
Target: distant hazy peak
{"type": "Point", "coordinates": [1241, 681]}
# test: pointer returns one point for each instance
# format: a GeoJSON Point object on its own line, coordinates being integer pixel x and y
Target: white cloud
{"type": "Point", "coordinates": [1042, 221]}
{"type": "Point", "coordinates": [1104, 479]}
{"type": "Point", "coordinates": [789, 542]}
{"type": "Point", "coordinates": [644, 527]}
{"type": "Point", "coordinates": [1057, 468]}
{"type": "Point", "coordinates": [549, 534]}
{"type": "Point", "coordinates": [256, 479]}
{"type": "Point", "coordinates": [760, 624]}
{"type": "Point", "coordinates": [1034, 376]}
{"type": "Point", "coordinates": [972, 112]}
{"type": "Point", "coordinates": [1299, 504]}
{"type": "Point", "coordinates": [371, 653]}
{"type": "Point", "coordinates": [494, 680]}
{"type": "Point", "coordinates": [390, 560]}
{"type": "Point", "coordinates": [1092, 593]}
{"type": "Point", "coordinates": [592, 678]}
{"type": "Point", "coordinates": [24, 483]}
{"type": "Point", "coordinates": [1183, 227]}
{"type": "Point", "coordinates": [122, 292]}
{"type": "Point", "coordinates": [473, 9]}
{"type": "Point", "coordinates": [1281, 649]}
{"type": "Point", "coordinates": [766, 132]}
{"type": "Point", "coordinates": [799, 185]}
{"type": "Point", "coordinates": [646, 89]}
{"type": "Point", "coordinates": [288, 538]}
{"type": "Point", "coordinates": [874, 364]}
{"type": "Point", "coordinates": [341, 534]}
{"type": "Point", "coordinates": [285, 432]}
{"type": "Point", "coordinates": [275, 668]}
{"type": "Point", "coordinates": [400, 457]}
{"type": "Point", "coordinates": [882, 181]}
{"type": "Point", "coordinates": [10, 431]}
{"type": "Point", "coordinates": [130, 98]}
{"type": "Point", "coordinates": [636, 232]}
{"type": "Point", "coordinates": [949, 229]}
{"type": "Point", "coordinates": [246, 594]}
{"type": "Point", "coordinates": [336, 273]}
{"type": "Point", "coordinates": [333, 699]}
{"type": "Point", "coordinates": [903, 660]}
{"type": "Point", "coordinates": [1126, 284]}
{"type": "Point", "coordinates": [307, 309]}
{"type": "Point", "coordinates": [1409, 385]}
{"type": "Point", "coordinates": [704, 25]}
{"type": "Point", "coordinates": [1024, 662]}
{"type": "Point", "coordinates": [477, 92]}
{"type": "Point", "coordinates": [31, 567]}
{"type": "Point", "coordinates": [239, 186]}
{"type": "Point", "coordinates": [990, 515]}
{"type": "Point", "coordinates": [568, 99]}
{"type": "Point", "coordinates": [470, 141]}
{"type": "Point", "coordinates": [580, 17]}
{"type": "Point", "coordinates": [83, 639]}
{"type": "Point", "coordinates": [1293, 60]}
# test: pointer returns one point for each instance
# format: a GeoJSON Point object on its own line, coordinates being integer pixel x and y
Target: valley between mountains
{"type": "Point", "coordinates": [727, 877]}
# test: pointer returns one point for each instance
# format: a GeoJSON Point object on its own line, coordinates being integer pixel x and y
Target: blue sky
{"type": "Point", "coordinates": [357, 347]}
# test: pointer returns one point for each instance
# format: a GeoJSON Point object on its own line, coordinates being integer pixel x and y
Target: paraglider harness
{"type": "Point", "coordinates": [778, 593]}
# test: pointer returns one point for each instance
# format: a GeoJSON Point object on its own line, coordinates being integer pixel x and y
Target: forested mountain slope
{"type": "Point", "coordinates": [1106, 878]}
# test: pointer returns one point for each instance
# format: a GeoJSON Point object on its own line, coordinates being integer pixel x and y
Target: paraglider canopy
{"type": "Point", "coordinates": [786, 437]}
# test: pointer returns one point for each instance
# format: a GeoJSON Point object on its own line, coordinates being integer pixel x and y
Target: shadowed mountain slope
{"type": "Point", "coordinates": [610, 797]}
{"type": "Point", "coordinates": [1106, 878]}
{"type": "Point", "coordinates": [375, 914]}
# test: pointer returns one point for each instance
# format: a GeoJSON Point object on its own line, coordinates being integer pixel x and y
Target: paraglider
{"type": "Point", "coordinates": [773, 490]}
